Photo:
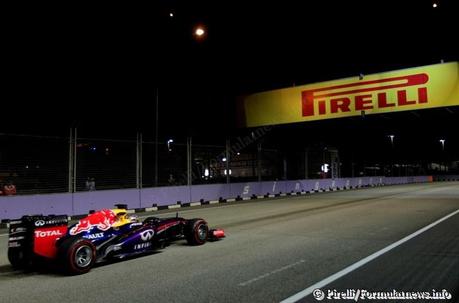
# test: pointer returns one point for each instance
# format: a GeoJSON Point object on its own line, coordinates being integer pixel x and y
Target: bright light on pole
{"type": "Point", "coordinates": [169, 142]}
{"type": "Point", "coordinates": [392, 156]}
{"type": "Point", "coordinates": [442, 165]}
{"type": "Point", "coordinates": [391, 139]}
{"type": "Point", "coordinates": [199, 32]}
{"type": "Point", "coordinates": [442, 141]}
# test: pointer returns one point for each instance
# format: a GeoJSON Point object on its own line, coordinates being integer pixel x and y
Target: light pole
{"type": "Point", "coordinates": [442, 162]}
{"type": "Point", "coordinates": [391, 140]}
{"type": "Point", "coordinates": [156, 137]}
{"type": "Point", "coordinates": [392, 155]}
{"type": "Point", "coordinates": [169, 144]}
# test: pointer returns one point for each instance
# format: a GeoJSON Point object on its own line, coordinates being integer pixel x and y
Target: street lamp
{"type": "Point", "coordinates": [442, 141]}
{"type": "Point", "coordinates": [199, 32]}
{"type": "Point", "coordinates": [392, 164]}
{"type": "Point", "coordinates": [442, 165]}
{"type": "Point", "coordinates": [391, 140]}
{"type": "Point", "coordinates": [169, 142]}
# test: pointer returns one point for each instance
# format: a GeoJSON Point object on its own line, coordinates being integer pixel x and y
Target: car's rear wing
{"type": "Point", "coordinates": [37, 234]}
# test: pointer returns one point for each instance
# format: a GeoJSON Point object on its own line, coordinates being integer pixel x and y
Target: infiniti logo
{"type": "Point", "coordinates": [147, 234]}
{"type": "Point", "coordinates": [39, 223]}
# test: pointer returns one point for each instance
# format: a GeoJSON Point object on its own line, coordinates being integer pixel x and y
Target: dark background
{"type": "Point", "coordinates": [101, 67]}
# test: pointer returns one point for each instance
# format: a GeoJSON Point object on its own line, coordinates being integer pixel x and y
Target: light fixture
{"type": "Point", "coordinates": [442, 141]}
{"type": "Point", "coordinates": [199, 31]}
{"type": "Point", "coordinates": [169, 142]}
{"type": "Point", "coordinates": [391, 138]}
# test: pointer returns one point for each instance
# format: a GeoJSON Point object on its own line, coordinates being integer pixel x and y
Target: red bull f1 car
{"type": "Point", "coordinates": [100, 236]}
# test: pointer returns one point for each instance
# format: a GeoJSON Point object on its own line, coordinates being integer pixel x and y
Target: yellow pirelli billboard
{"type": "Point", "coordinates": [408, 89]}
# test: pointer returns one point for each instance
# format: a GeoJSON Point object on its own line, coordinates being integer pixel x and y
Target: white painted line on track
{"type": "Point", "coordinates": [271, 273]}
{"type": "Point", "coordinates": [304, 293]}
{"type": "Point", "coordinates": [3, 235]}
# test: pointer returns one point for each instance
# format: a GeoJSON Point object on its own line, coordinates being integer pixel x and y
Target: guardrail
{"type": "Point", "coordinates": [160, 197]}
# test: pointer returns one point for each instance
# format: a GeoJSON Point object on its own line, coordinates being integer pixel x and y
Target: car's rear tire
{"type": "Point", "coordinates": [18, 258]}
{"type": "Point", "coordinates": [196, 232]}
{"type": "Point", "coordinates": [77, 256]}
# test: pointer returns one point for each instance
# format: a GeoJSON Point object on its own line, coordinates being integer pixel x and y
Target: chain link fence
{"type": "Point", "coordinates": [47, 164]}
{"type": "Point", "coordinates": [43, 164]}
{"type": "Point", "coordinates": [34, 164]}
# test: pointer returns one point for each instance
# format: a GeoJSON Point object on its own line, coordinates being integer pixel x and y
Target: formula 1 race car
{"type": "Point", "coordinates": [100, 236]}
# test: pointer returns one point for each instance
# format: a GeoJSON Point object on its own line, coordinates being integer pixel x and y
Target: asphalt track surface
{"type": "Point", "coordinates": [277, 248]}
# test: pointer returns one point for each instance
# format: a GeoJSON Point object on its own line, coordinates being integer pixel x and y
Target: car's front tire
{"type": "Point", "coordinates": [196, 232]}
{"type": "Point", "coordinates": [77, 255]}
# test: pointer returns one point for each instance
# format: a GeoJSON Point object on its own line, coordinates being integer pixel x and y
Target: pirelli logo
{"type": "Point", "coordinates": [365, 95]}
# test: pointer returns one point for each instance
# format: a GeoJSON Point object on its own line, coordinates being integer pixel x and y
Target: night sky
{"type": "Point", "coordinates": [98, 67]}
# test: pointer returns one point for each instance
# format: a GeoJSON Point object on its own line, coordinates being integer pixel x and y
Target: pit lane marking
{"type": "Point", "coordinates": [307, 291]}
{"type": "Point", "coordinates": [271, 273]}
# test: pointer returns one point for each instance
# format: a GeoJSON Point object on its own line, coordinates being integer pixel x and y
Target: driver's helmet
{"type": "Point", "coordinates": [121, 217]}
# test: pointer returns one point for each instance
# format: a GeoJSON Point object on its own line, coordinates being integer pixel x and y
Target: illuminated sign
{"type": "Point", "coordinates": [343, 98]}
{"type": "Point", "coordinates": [410, 89]}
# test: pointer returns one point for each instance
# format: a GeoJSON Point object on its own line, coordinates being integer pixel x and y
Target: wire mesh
{"type": "Point", "coordinates": [105, 164]}
{"type": "Point", "coordinates": [47, 164]}
{"type": "Point", "coordinates": [34, 164]}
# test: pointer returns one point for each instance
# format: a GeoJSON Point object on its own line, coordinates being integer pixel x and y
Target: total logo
{"type": "Point", "coordinates": [146, 235]}
{"type": "Point", "coordinates": [48, 233]}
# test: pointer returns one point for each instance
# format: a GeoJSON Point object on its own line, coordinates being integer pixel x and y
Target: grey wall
{"type": "Point", "coordinates": [81, 202]}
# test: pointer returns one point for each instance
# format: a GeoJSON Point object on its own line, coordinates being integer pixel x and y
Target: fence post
{"type": "Point", "coordinates": [70, 176]}
{"type": "Point", "coordinates": [259, 161]}
{"type": "Point", "coordinates": [189, 159]}
{"type": "Point", "coordinates": [74, 159]}
{"type": "Point", "coordinates": [306, 163]}
{"type": "Point", "coordinates": [227, 155]}
{"type": "Point", "coordinates": [139, 181]}
{"type": "Point", "coordinates": [156, 136]}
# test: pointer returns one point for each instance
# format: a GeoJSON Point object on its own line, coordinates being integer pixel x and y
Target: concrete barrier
{"type": "Point", "coordinates": [17, 206]}
{"type": "Point", "coordinates": [81, 202]}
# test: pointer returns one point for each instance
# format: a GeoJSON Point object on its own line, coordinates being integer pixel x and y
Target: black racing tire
{"type": "Point", "coordinates": [77, 256]}
{"type": "Point", "coordinates": [196, 231]}
{"type": "Point", "coordinates": [18, 258]}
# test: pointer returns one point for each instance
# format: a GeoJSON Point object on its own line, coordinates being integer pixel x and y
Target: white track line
{"type": "Point", "coordinates": [271, 273]}
{"type": "Point", "coordinates": [300, 295]}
